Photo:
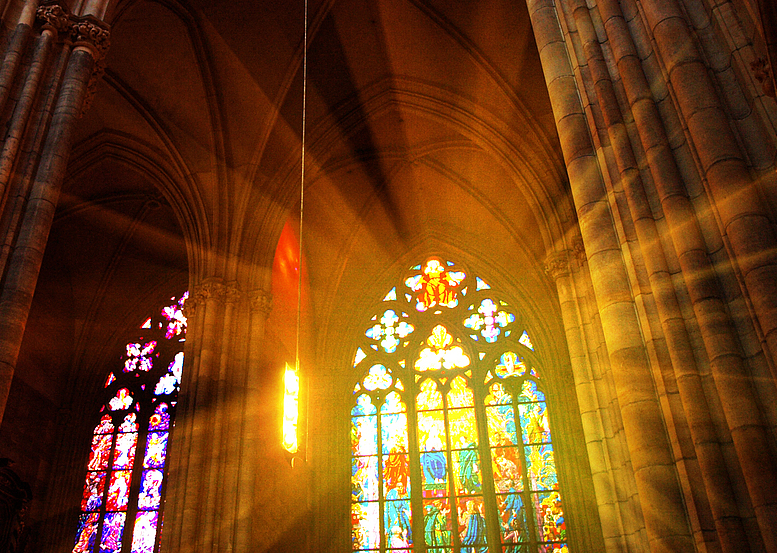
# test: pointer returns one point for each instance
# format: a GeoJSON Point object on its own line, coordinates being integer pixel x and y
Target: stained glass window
{"type": "Point", "coordinates": [451, 448]}
{"type": "Point", "coordinates": [124, 486]}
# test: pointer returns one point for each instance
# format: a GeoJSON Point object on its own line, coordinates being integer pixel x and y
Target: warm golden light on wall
{"type": "Point", "coordinates": [290, 409]}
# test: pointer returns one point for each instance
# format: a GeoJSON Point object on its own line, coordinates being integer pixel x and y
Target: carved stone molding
{"type": "Point", "coordinates": [260, 301]}
{"type": "Point", "coordinates": [55, 17]}
{"type": "Point", "coordinates": [579, 250]}
{"type": "Point", "coordinates": [762, 71]}
{"type": "Point", "coordinates": [232, 293]}
{"type": "Point", "coordinates": [91, 32]}
{"type": "Point", "coordinates": [557, 264]}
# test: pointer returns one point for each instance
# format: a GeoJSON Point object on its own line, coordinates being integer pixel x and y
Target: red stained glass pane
{"type": "Point", "coordinates": [93, 491]}
{"type": "Point", "coordinates": [554, 548]}
{"type": "Point", "coordinates": [396, 475]}
{"type": "Point", "coordinates": [122, 400]}
{"type": "Point", "coordinates": [507, 469]}
{"type": "Point", "coordinates": [101, 450]}
{"type": "Point", "coordinates": [118, 490]}
{"type": "Point", "coordinates": [105, 426]}
{"type": "Point", "coordinates": [124, 454]}
{"type": "Point", "coordinates": [156, 449]}
{"type": "Point", "coordinates": [144, 533]}
{"type": "Point", "coordinates": [86, 533]}
{"type": "Point", "coordinates": [550, 517]}
{"type": "Point", "coordinates": [160, 420]}
{"type": "Point", "coordinates": [150, 490]}
{"type": "Point", "coordinates": [435, 285]}
{"type": "Point", "coordinates": [129, 424]}
{"type": "Point", "coordinates": [113, 528]}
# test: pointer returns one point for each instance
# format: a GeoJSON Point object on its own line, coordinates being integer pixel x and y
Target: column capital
{"type": "Point", "coordinates": [557, 264]}
{"type": "Point", "coordinates": [260, 301]}
{"type": "Point", "coordinates": [54, 16]}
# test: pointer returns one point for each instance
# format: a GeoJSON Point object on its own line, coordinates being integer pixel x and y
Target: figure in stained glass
{"type": "Point", "coordinates": [114, 457]}
{"type": "Point", "coordinates": [436, 526]}
{"type": "Point", "coordinates": [436, 286]}
{"type": "Point", "coordinates": [473, 537]}
{"type": "Point", "coordinates": [458, 387]}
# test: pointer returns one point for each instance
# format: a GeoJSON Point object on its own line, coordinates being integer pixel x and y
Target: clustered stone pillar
{"type": "Point", "coordinates": [65, 65]}
{"type": "Point", "coordinates": [616, 144]}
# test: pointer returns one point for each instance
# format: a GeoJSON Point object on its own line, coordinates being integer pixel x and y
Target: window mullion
{"type": "Point", "coordinates": [493, 527]}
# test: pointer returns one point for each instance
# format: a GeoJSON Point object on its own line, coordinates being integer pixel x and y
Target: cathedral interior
{"type": "Point", "coordinates": [606, 169]}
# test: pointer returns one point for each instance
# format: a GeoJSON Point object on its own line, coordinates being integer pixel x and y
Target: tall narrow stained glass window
{"type": "Point", "coordinates": [451, 449]}
{"type": "Point", "coordinates": [124, 487]}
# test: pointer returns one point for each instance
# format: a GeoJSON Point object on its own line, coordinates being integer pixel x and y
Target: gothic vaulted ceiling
{"type": "Point", "coordinates": [428, 129]}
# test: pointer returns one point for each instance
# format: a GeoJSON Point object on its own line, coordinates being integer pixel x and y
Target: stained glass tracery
{"type": "Point", "coordinates": [461, 460]}
{"type": "Point", "coordinates": [124, 485]}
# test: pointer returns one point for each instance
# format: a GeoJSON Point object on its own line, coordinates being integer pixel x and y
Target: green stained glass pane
{"type": "Point", "coordinates": [437, 525]}
{"type": "Point", "coordinates": [434, 472]}
{"type": "Point", "coordinates": [466, 468]}
{"type": "Point", "coordinates": [501, 425]}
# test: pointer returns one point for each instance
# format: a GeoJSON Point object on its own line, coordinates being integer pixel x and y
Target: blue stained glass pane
{"type": "Point", "coordinates": [150, 490]}
{"type": "Point", "coordinates": [541, 468]}
{"type": "Point", "coordinates": [365, 525]}
{"type": "Point", "coordinates": [431, 431]}
{"type": "Point", "coordinates": [364, 478]}
{"type": "Point", "coordinates": [501, 425]}
{"type": "Point", "coordinates": [397, 521]}
{"type": "Point", "coordinates": [512, 518]}
{"type": "Point", "coordinates": [378, 378]}
{"type": "Point", "coordinates": [529, 392]}
{"type": "Point", "coordinates": [156, 449]}
{"type": "Point", "coordinates": [363, 406]}
{"type": "Point", "coordinates": [113, 528]}
{"type": "Point", "coordinates": [86, 533]}
{"type": "Point", "coordinates": [394, 433]}
{"type": "Point", "coordinates": [554, 548]}
{"type": "Point", "coordinates": [472, 524]}
{"type": "Point", "coordinates": [144, 534]}
{"type": "Point", "coordinates": [434, 473]}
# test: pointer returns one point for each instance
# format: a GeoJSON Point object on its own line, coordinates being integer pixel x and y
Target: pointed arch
{"type": "Point", "coordinates": [451, 448]}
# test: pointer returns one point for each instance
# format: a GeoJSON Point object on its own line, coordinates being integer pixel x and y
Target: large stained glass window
{"type": "Point", "coordinates": [124, 487]}
{"type": "Point", "coordinates": [451, 449]}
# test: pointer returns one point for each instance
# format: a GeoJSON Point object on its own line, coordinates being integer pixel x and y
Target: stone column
{"type": "Point", "coordinates": [85, 42]}
{"type": "Point", "coordinates": [651, 455]}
